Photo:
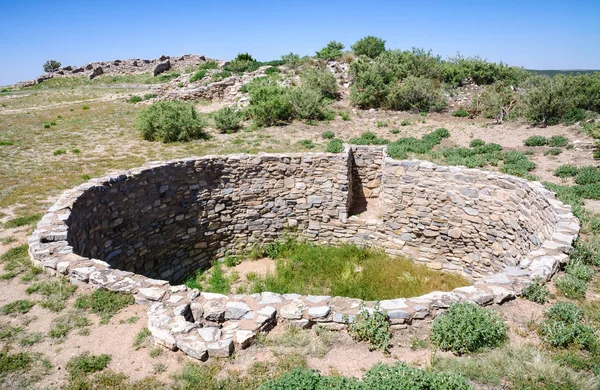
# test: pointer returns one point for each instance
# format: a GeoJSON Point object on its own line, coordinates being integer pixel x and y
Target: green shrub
{"type": "Point", "coordinates": [369, 46]}
{"type": "Point", "coordinates": [462, 113]}
{"type": "Point", "coordinates": [563, 327]}
{"type": "Point", "coordinates": [372, 327]}
{"type": "Point", "coordinates": [293, 60]}
{"type": "Point", "coordinates": [368, 138]}
{"type": "Point", "coordinates": [381, 377]}
{"type": "Point", "coordinates": [417, 94]}
{"type": "Point", "coordinates": [587, 175]}
{"type": "Point", "coordinates": [149, 96]}
{"type": "Point", "coordinates": [536, 140]}
{"type": "Point", "coordinates": [320, 80]}
{"type": "Point", "coordinates": [85, 108]}
{"type": "Point", "coordinates": [269, 103]}
{"type": "Point", "coordinates": [272, 70]}
{"type": "Point", "coordinates": [58, 152]}
{"type": "Point", "coordinates": [336, 145]}
{"type": "Point", "coordinates": [345, 116]}
{"type": "Point", "coordinates": [221, 75]}
{"type": "Point", "coordinates": [307, 143]}
{"type": "Point", "coordinates": [400, 148]}
{"type": "Point", "coordinates": [553, 152]}
{"type": "Point", "coordinates": [328, 134]}
{"type": "Point", "coordinates": [330, 52]}
{"type": "Point", "coordinates": [208, 65]}
{"type": "Point", "coordinates": [51, 66]}
{"type": "Point", "coordinates": [134, 99]}
{"type": "Point", "coordinates": [46, 125]}
{"type": "Point", "coordinates": [227, 119]}
{"type": "Point", "coordinates": [199, 75]}
{"type": "Point", "coordinates": [516, 163]}
{"type": "Point", "coordinates": [558, 141]}
{"type": "Point", "coordinates": [405, 122]}
{"type": "Point", "coordinates": [241, 64]}
{"type": "Point", "coordinates": [566, 170]}
{"type": "Point", "coordinates": [306, 103]}
{"type": "Point", "coordinates": [476, 142]}
{"type": "Point", "coordinates": [395, 131]}
{"type": "Point", "coordinates": [466, 327]}
{"type": "Point", "coordinates": [536, 291]}
{"type": "Point", "coordinates": [571, 287]}
{"type": "Point", "coordinates": [498, 101]}
{"type": "Point", "coordinates": [170, 121]}
{"type": "Point", "coordinates": [577, 269]}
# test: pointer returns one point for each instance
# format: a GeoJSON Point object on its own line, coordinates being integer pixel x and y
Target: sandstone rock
{"type": "Point", "coordinates": [293, 310]}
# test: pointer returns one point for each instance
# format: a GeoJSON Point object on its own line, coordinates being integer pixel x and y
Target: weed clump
{"type": "Point", "coordinates": [336, 145]}
{"type": "Point", "coordinates": [466, 327]}
{"type": "Point", "coordinates": [536, 291]}
{"type": "Point", "coordinates": [104, 303]}
{"type": "Point", "coordinates": [372, 327]}
{"type": "Point", "coordinates": [227, 120]}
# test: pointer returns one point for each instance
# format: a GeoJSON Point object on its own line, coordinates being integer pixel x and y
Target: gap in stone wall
{"type": "Point", "coordinates": [365, 173]}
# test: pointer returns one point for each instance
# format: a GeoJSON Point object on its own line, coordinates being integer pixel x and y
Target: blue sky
{"type": "Point", "coordinates": [534, 34]}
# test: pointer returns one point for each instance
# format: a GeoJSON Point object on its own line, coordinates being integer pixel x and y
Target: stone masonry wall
{"type": "Point", "coordinates": [168, 220]}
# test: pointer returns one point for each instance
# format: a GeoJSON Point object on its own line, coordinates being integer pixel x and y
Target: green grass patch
{"type": "Point", "coordinates": [349, 271]}
{"type": "Point", "coordinates": [21, 306]}
{"type": "Point", "coordinates": [55, 291]}
{"type": "Point", "coordinates": [87, 363]}
{"type": "Point", "coordinates": [566, 170]}
{"type": "Point", "coordinates": [104, 303]}
{"type": "Point", "coordinates": [23, 221]}
{"type": "Point", "coordinates": [6, 143]}
{"type": "Point", "coordinates": [536, 140]}
{"type": "Point", "coordinates": [16, 261]}
{"type": "Point", "coordinates": [65, 323]}
{"type": "Point", "coordinates": [461, 113]}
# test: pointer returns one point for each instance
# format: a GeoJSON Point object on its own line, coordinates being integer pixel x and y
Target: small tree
{"type": "Point", "coordinates": [369, 46]}
{"type": "Point", "coordinates": [332, 51]}
{"type": "Point", "coordinates": [51, 66]}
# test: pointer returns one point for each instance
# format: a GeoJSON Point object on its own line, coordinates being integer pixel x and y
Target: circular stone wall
{"type": "Point", "coordinates": [137, 231]}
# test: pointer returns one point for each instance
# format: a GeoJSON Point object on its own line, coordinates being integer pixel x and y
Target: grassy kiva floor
{"type": "Point", "coordinates": [345, 270]}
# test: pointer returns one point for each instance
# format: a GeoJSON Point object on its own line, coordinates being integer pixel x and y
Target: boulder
{"type": "Point", "coordinates": [161, 67]}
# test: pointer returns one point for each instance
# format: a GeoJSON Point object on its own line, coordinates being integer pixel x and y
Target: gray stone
{"type": "Point", "coordinates": [214, 311]}
{"type": "Point", "coordinates": [244, 338]}
{"type": "Point", "coordinates": [235, 310]}
{"type": "Point", "coordinates": [319, 311]}
{"type": "Point", "coordinates": [222, 348]}
{"type": "Point", "coordinates": [152, 293]}
{"type": "Point", "coordinates": [209, 334]}
{"type": "Point", "coordinates": [193, 347]}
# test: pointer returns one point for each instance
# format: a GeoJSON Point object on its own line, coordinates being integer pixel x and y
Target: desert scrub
{"type": "Point", "coordinates": [536, 140]}
{"type": "Point", "coordinates": [536, 291]}
{"type": "Point", "coordinates": [16, 261]}
{"type": "Point", "coordinates": [307, 143]}
{"type": "Point", "coordinates": [369, 46]}
{"type": "Point", "coordinates": [566, 170]}
{"type": "Point", "coordinates": [368, 138]}
{"type": "Point", "coordinates": [104, 303]}
{"type": "Point", "coordinates": [306, 103]}
{"type": "Point", "coordinates": [199, 75]}
{"type": "Point", "coordinates": [227, 120]}
{"type": "Point", "coordinates": [587, 175]}
{"type": "Point", "coordinates": [466, 327]}
{"type": "Point", "coordinates": [330, 52]}
{"type": "Point", "coordinates": [571, 287]}
{"type": "Point", "coordinates": [170, 122]}
{"type": "Point", "coordinates": [417, 94]}
{"type": "Point", "coordinates": [553, 152]}
{"type": "Point", "coordinates": [564, 326]}
{"type": "Point", "coordinates": [320, 80]}
{"type": "Point", "coordinates": [372, 327]}
{"type": "Point", "coordinates": [398, 376]}
{"type": "Point", "coordinates": [461, 113]}
{"type": "Point", "coordinates": [476, 143]}
{"type": "Point", "coordinates": [328, 134]}
{"type": "Point", "coordinates": [359, 272]}
{"type": "Point", "coordinates": [336, 145]}
{"type": "Point", "coordinates": [558, 141]}
{"type": "Point", "coordinates": [400, 148]}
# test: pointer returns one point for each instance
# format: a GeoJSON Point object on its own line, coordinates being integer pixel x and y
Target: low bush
{"type": "Point", "coordinates": [536, 291]}
{"type": "Point", "coordinates": [336, 145]}
{"type": "Point", "coordinates": [571, 287]}
{"type": "Point", "coordinates": [577, 269]}
{"type": "Point", "coordinates": [320, 80]}
{"type": "Point", "coordinates": [221, 75]}
{"type": "Point", "coordinates": [272, 70]}
{"type": "Point", "coordinates": [400, 148]}
{"type": "Point", "coordinates": [134, 99]}
{"type": "Point", "coordinates": [564, 326]}
{"type": "Point", "coordinates": [587, 175]}
{"type": "Point", "coordinates": [227, 119]}
{"type": "Point", "coordinates": [466, 327]}
{"type": "Point", "coordinates": [307, 143]}
{"type": "Point", "coordinates": [330, 52]}
{"type": "Point", "coordinates": [516, 163]}
{"type": "Point", "coordinates": [476, 143]}
{"type": "Point", "coordinates": [268, 103]}
{"type": "Point", "coordinates": [558, 141]}
{"type": "Point", "coordinates": [461, 113]}
{"type": "Point", "coordinates": [170, 121]}
{"type": "Point", "coordinates": [372, 327]}
{"type": "Point", "coordinates": [208, 65]}
{"type": "Point", "coordinates": [368, 138]}
{"type": "Point", "coordinates": [566, 170]}
{"type": "Point", "coordinates": [553, 152]}
{"type": "Point", "coordinates": [398, 377]}
{"type": "Point", "coordinates": [199, 75]}
{"type": "Point", "coordinates": [345, 116]}
{"type": "Point", "coordinates": [369, 46]}
{"type": "Point", "coordinates": [242, 63]}
{"type": "Point", "coordinates": [536, 140]}
{"type": "Point", "coordinates": [418, 94]}
{"type": "Point", "coordinates": [307, 103]}
{"type": "Point", "coordinates": [293, 60]}
{"type": "Point", "coordinates": [328, 134]}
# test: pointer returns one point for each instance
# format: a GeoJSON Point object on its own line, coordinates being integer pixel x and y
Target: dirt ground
{"type": "Point", "coordinates": [31, 177]}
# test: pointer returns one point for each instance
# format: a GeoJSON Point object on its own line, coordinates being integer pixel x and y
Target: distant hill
{"type": "Point", "coordinates": [551, 72]}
